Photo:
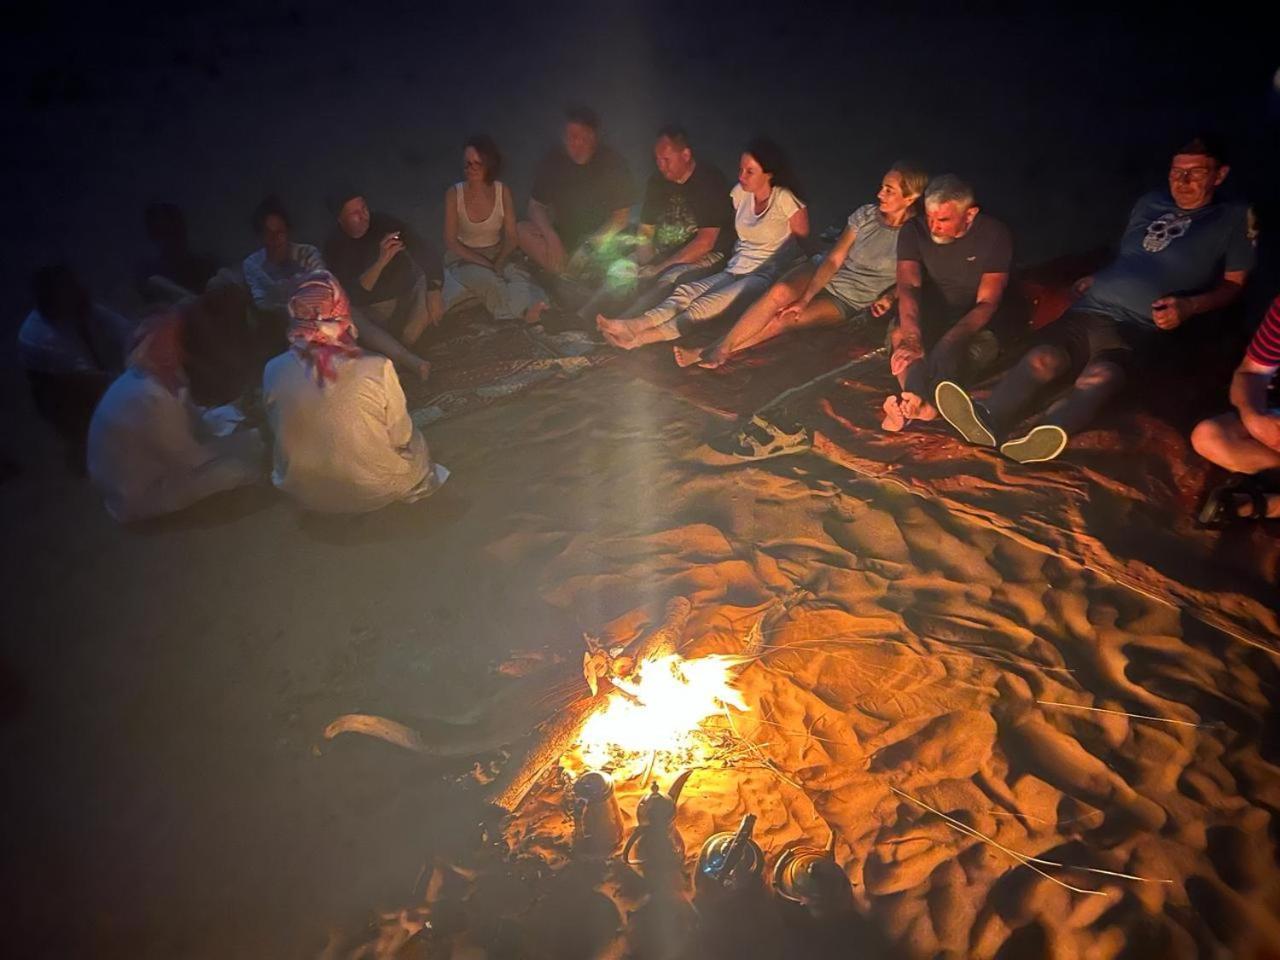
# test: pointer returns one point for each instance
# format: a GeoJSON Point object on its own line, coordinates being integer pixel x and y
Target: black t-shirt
{"type": "Point", "coordinates": [582, 196]}
{"type": "Point", "coordinates": [951, 272]}
{"type": "Point", "coordinates": [678, 210]}
{"type": "Point", "coordinates": [348, 258]}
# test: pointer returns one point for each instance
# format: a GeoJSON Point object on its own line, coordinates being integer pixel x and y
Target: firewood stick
{"type": "Point", "coordinates": [558, 734]}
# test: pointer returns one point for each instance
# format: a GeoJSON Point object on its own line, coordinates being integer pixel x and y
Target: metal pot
{"type": "Point", "coordinates": [811, 878]}
{"type": "Point", "coordinates": [597, 822]}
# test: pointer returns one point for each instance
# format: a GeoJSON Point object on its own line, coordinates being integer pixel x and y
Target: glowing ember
{"type": "Point", "coordinates": [669, 699]}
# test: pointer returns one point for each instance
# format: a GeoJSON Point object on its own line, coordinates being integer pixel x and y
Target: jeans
{"type": "Point", "coordinates": [945, 360]}
{"type": "Point", "coordinates": [395, 315]}
{"type": "Point", "coordinates": [721, 294]}
{"type": "Point", "coordinates": [636, 298]}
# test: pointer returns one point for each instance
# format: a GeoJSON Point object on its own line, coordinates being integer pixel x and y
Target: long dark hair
{"type": "Point", "coordinates": [773, 159]}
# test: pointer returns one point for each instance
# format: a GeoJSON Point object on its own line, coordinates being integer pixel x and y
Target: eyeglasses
{"type": "Point", "coordinates": [1190, 174]}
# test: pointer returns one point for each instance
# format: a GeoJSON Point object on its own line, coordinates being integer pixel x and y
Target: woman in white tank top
{"type": "Point", "coordinates": [480, 237]}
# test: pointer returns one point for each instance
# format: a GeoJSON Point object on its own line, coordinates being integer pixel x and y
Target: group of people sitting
{"type": "Point", "coordinates": [923, 258]}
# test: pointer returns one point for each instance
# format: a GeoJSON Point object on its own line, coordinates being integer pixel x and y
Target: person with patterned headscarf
{"type": "Point", "coordinates": [151, 450]}
{"type": "Point", "coordinates": [344, 442]}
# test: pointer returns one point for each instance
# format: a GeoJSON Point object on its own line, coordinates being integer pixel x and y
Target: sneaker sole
{"type": "Point", "coordinates": [1042, 443]}
{"type": "Point", "coordinates": [957, 409]}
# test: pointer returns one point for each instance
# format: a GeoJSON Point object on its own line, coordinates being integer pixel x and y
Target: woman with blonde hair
{"type": "Point", "coordinates": [854, 280]}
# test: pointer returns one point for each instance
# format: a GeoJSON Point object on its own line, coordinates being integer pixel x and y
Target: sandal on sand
{"type": "Point", "coordinates": [762, 440]}
{"type": "Point", "coordinates": [1222, 504]}
{"type": "Point", "coordinates": [1042, 443]}
{"type": "Point", "coordinates": [958, 410]}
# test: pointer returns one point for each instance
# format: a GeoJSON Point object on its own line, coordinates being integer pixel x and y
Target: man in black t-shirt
{"type": "Point", "coordinates": [685, 231]}
{"type": "Point", "coordinates": [582, 194]}
{"type": "Point", "coordinates": [953, 268]}
{"type": "Point", "coordinates": [392, 277]}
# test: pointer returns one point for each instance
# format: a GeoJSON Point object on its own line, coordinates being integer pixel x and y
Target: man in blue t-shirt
{"type": "Point", "coordinates": [1183, 254]}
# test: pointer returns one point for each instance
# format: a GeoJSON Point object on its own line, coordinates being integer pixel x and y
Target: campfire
{"type": "Point", "coordinates": [659, 716]}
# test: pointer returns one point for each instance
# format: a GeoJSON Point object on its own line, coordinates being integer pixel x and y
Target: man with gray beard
{"type": "Point", "coordinates": [953, 269]}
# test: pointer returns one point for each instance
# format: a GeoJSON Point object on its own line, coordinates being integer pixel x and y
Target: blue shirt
{"type": "Point", "coordinates": [1166, 251]}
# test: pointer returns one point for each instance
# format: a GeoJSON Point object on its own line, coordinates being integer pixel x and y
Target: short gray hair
{"type": "Point", "coordinates": [948, 188]}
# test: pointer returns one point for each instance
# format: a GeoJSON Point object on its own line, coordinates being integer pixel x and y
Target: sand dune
{"type": "Point", "coordinates": [935, 664]}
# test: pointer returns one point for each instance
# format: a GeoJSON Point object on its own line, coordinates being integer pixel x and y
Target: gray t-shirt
{"type": "Point", "coordinates": [872, 265]}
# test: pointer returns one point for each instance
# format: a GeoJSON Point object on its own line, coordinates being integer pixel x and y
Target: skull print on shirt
{"type": "Point", "coordinates": [1164, 230]}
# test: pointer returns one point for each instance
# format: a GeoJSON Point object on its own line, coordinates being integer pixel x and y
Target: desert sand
{"type": "Point", "coordinates": [191, 797]}
{"type": "Point", "coordinates": [166, 688]}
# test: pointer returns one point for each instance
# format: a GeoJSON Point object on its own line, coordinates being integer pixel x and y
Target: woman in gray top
{"type": "Point", "coordinates": [856, 276]}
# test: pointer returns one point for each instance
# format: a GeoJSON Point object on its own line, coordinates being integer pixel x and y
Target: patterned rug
{"type": "Point", "coordinates": [481, 362]}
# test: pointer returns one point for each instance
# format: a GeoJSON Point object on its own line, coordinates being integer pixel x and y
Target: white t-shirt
{"type": "Point", "coordinates": [760, 236]}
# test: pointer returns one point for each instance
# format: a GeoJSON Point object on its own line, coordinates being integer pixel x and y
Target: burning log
{"type": "Point", "coordinates": [558, 734]}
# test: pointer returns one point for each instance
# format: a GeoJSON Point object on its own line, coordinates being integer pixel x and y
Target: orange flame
{"type": "Point", "coordinates": [660, 710]}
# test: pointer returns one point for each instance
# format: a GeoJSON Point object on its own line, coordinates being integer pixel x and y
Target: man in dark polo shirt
{"type": "Point", "coordinates": [582, 193]}
{"type": "Point", "coordinates": [953, 268]}
{"type": "Point", "coordinates": [1184, 253]}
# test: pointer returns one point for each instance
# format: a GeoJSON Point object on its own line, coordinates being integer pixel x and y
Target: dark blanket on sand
{"type": "Point", "coordinates": [1121, 500]}
{"type": "Point", "coordinates": [475, 363]}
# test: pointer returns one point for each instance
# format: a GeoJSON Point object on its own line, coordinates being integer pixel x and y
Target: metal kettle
{"type": "Point", "coordinates": [597, 822]}
{"type": "Point", "coordinates": [811, 878]}
{"type": "Point", "coordinates": [730, 862]}
{"type": "Point", "coordinates": [655, 841]}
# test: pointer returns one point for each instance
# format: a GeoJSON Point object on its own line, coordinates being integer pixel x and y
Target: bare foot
{"type": "Point", "coordinates": [915, 407]}
{"type": "Point", "coordinates": [712, 361]}
{"type": "Point", "coordinates": [894, 419]}
{"type": "Point", "coordinates": [534, 313]}
{"type": "Point", "coordinates": [620, 337]}
{"type": "Point", "coordinates": [687, 356]}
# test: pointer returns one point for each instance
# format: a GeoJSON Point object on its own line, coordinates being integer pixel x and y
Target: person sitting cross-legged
{"type": "Point", "coordinates": [1247, 440]}
{"type": "Point", "coordinates": [151, 449]}
{"type": "Point", "coordinates": [770, 218]}
{"type": "Point", "coordinates": [855, 279]}
{"type": "Point", "coordinates": [581, 198]}
{"type": "Point", "coordinates": [344, 442]}
{"type": "Point", "coordinates": [953, 269]}
{"type": "Point", "coordinates": [271, 273]}
{"type": "Point", "coordinates": [480, 237]}
{"type": "Point", "coordinates": [1184, 253]}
